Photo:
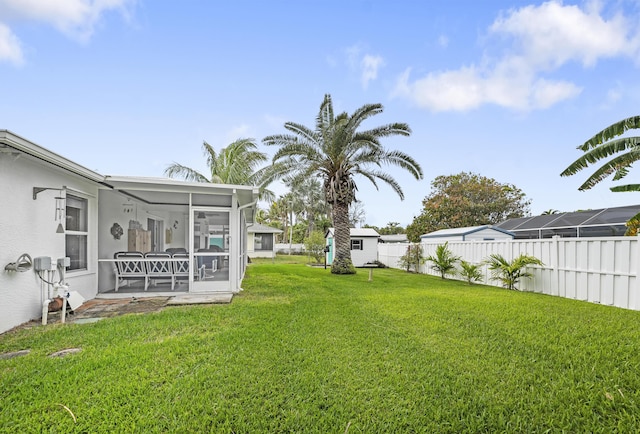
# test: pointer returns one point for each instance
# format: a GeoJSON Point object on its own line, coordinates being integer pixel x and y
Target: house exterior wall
{"type": "Point", "coordinates": [487, 234]}
{"type": "Point", "coordinates": [29, 226]}
{"type": "Point", "coordinates": [483, 234]}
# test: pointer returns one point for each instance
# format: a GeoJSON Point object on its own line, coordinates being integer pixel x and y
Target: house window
{"type": "Point", "coordinates": [356, 244]}
{"type": "Point", "coordinates": [77, 232]}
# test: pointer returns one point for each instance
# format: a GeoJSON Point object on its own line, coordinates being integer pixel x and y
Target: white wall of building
{"type": "Point", "coordinates": [369, 252]}
{"type": "Point", "coordinates": [29, 226]}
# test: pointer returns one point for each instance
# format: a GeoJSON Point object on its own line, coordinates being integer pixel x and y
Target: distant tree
{"type": "Point", "coordinates": [309, 203]}
{"type": "Point", "coordinates": [357, 214]}
{"type": "Point", "coordinates": [413, 258]}
{"type": "Point", "coordinates": [392, 228]}
{"type": "Point", "coordinates": [444, 261]}
{"type": "Point", "coordinates": [550, 212]}
{"type": "Point", "coordinates": [467, 199]}
{"type": "Point", "coordinates": [338, 151]}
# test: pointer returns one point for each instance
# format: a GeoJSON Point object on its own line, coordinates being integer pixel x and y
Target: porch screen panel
{"type": "Point", "coordinates": [212, 245]}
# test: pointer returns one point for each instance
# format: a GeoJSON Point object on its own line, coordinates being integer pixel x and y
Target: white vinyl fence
{"type": "Point", "coordinates": [598, 270]}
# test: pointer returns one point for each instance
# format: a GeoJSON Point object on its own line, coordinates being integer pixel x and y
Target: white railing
{"type": "Point", "coordinates": [598, 270]}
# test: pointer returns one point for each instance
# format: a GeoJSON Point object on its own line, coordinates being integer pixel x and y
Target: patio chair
{"type": "Point", "coordinates": [181, 266]}
{"type": "Point", "coordinates": [208, 264]}
{"type": "Point", "coordinates": [173, 250]}
{"type": "Point", "coordinates": [130, 266]}
{"type": "Point", "coordinates": [160, 267]}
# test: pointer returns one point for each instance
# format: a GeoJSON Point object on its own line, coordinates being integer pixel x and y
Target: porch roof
{"type": "Point", "coordinates": [167, 191]}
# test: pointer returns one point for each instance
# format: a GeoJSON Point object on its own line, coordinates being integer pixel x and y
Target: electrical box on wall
{"type": "Point", "coordinates": [64, 262]}
{"type": "Point", "coordinates": [42, 263]}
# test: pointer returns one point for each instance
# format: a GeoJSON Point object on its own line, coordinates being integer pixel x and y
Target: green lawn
{"type": "Point", "coordinates": [301, 350]}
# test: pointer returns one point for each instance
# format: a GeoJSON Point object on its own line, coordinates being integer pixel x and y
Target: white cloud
{"type": "Point", "coordinates": [540, 39]}
{"type": "Point", "coordinates": [10, 50]}
{"type": "Point", "coordinates": [366, 66]}
{"type": "Point", "coordinates": [370, 65]}
{"type": "Point", "coordinates": [75, 18]}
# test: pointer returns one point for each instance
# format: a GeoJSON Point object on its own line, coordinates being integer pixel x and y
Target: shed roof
{"type": "Point", "coordinates": [357, 232]}
{"type": "Point", "coordinates": [461, 232]}
{"type": "Point", "coordinates": [257, 228]}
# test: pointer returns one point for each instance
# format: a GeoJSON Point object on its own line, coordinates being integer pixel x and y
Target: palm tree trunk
{"type": "Point", "coordinates": [342, 238]}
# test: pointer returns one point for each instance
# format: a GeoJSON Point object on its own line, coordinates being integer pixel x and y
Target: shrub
{"type": "Point", "coordinates": [444, 260]}
{"type": "Point", "coordinates": [470, 272]}
{"type": "Point", "coordinates": [510, 273]}
{"type": "Point", "coordinates": [314, 245]}
{"type": "Point", "coordinates": [412, 259]}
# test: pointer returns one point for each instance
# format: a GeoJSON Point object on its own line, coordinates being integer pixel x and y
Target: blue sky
{"type": "Point", "coordinates": [506, 89]}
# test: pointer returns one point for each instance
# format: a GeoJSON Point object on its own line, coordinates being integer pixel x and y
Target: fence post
{"type": "Point", "coordinates": [636, 287]}
{"type": "Point", "coordinates": [555, 265]}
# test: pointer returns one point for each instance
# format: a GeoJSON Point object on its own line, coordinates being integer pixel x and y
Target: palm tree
{"type": "Point", "coordinates": [510, 273]}
{"type": "Point", "coordinates": [444, 261]}
{"type": "Point", "coordinates": [550, 211]}
{"type": "Point", "coordinates": [308, 199]}
{"type": "Point", "coordinates": [602, 146]}
{"type": "Point", "coordinates": [236, 164]}
{"type": "Point", "coordinates": [337, 152]}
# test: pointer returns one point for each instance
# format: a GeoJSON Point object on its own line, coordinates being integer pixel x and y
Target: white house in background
{"type": "Point", "coordinates": [55, 208]}
{"type": "Point", "coordinates": [260, 241]}
{"type": "Point", "coordinates": [482, 233]}
{"type": "Point", "coordinates": [364, 245]}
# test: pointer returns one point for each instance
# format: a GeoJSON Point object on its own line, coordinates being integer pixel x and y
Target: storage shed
{"type": "Point", "coordinates": [260, 243]}
{"type": "Point", "coordinates": [364, 245]}
{"type": "Point", "coordinates": [482, 233]}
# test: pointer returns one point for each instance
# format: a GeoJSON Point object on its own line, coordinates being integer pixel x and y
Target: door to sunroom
{"type": "Point", "coordinates": [211, 247]}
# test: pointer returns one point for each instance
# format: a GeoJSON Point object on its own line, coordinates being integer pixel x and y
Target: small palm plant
{"type": "Point", "coordinates": [444, 260]}
{"type": "Point", "coordinates": [510, 273]}
{"type": "Point", "coordinates": [470, 272]}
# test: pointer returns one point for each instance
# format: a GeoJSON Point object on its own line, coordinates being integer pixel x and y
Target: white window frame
{"type": "Point", "coordinates": [82, 232]}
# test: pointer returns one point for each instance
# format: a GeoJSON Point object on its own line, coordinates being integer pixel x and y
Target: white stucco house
{"type": "Point", "coordinates": [56, 209]}
{"type": "Point", "coordinates": [260, 241]}
{"type": "Point", "coordinates": [364, 245]}
{"type": "Point", "coordinates": [482, 233]}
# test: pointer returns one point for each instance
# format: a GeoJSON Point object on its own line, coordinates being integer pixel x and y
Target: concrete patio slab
{"type": "Point", "coordinates": [184, 299]}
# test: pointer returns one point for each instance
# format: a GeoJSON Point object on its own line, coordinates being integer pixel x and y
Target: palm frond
{"type": "Point", "coordinates": [615, 165]}
{"type": "Point", "coordinates": [610, 132]}
{"type": "Point", "coordinates": [178, 170]}
{"type": "Point", "coordinates": [628, 187]}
